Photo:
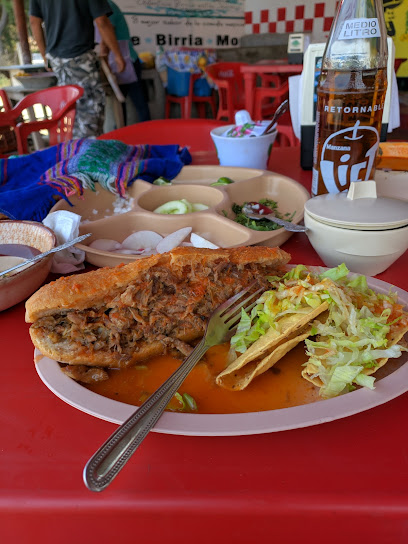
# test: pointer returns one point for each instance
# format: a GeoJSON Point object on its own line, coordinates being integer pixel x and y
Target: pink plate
{"type": "Point", "coordinates": [387, 388]}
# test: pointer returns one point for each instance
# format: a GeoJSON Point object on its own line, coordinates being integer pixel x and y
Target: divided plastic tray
{"type": "Point", "coordinates": [216, 224]}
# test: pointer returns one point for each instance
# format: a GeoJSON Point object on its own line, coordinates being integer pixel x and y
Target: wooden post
{"type": "Point", "coordinates": [21, 24]}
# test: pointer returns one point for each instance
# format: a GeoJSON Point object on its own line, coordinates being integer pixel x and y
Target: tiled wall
{"type": "Point", "coordinates": [273, 16]}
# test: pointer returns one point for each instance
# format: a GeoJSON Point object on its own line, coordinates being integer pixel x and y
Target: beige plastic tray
{"type": "Point", "coordinates": [193, 183]}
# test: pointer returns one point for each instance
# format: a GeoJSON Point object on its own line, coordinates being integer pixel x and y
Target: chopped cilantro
{"type": "Point", "coordinates": [262, 224]}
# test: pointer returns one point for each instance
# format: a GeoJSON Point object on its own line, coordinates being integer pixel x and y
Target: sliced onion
{"type": "Point", "coordinates": [146, 251]}
{"type": "Point", "coordinates": [173, 240]}
{"type": "Point", "coordinates": [199, 241]}
{"type": "Point", "coordinates": [129, 251]}
{"type": "Point", "coordinates": [142, 239]}
{"type": "Point", "coordinates": [103, 244]}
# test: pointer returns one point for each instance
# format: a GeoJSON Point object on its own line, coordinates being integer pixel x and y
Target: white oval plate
{"type": "Point", "coordinates": [233, 424]}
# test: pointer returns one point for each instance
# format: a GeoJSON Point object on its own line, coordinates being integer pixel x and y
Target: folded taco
{"type": "Point", "coordinates": [336, 376]}
{"type": "Point", "coordinates": [349, 330]}
{"type": "Point", "coordinates": [267, 351]}
{"type": "Point", "coordinates": [282, 319]}
{"type": "Point", "coordinates": [362, 331]}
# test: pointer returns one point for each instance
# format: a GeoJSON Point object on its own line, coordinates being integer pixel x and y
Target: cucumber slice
{"type": "Point", "coordinates": [197, 207]}
{"type": "Point", "coordinates": [188, 204]}
{"type": "Point", "coordinates": [172, 207]}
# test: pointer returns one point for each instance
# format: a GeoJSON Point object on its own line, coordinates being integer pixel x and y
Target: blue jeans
{"type": "Point", "coordinates": [138, 94]}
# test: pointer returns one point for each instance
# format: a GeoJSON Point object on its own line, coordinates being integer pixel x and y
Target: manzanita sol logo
{"type": "Point", "coordinates": [348, 155]}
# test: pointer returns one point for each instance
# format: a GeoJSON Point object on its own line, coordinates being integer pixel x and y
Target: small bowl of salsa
{"type": "Point", "coordinates": [19, 241]}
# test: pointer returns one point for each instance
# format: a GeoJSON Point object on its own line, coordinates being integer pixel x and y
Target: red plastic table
{"type": "Point", "coordinates": [266, 68]}
{"type": "Point", "coordinates": [344, 481]}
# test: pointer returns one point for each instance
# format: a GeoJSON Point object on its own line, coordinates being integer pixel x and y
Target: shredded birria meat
{"type": "Point", "coordinates": [160, 306]}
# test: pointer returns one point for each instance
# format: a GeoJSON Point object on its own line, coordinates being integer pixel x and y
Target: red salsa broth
{"type": "Point", "coordinates": [280, 387]}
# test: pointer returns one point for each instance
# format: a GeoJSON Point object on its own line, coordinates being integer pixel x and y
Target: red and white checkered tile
{"type": "Point", "coordinates": [311, 17]}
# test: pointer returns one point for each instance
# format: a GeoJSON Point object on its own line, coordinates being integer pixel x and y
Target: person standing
{"type": "Point", "coordinates": [130, 80]}
{"type": "Point", "coordinates": [68, 47]}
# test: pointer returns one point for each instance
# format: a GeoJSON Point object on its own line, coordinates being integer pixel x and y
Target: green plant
{"type": "Point", "coordinates": [8, 34]}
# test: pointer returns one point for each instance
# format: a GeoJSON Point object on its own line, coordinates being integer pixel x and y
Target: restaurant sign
{"type": "Point", "coordinates": [396, 20]}
{"type": "Point", "coordinates": [184, 23]}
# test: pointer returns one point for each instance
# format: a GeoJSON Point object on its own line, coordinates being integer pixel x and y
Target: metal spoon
{"type": "Point", "coordinates": [279, 111]}
{"type": "Point", "coordinates": [42, 255]}
{"type": "Point", "coordinates": [292, 227]}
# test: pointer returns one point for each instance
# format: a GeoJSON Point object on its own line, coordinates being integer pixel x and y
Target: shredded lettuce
{"type": "Point", "coordinates": [313, 300]}
{"type": "Point", "coordinates": [295, 273]}
{"type": "Point", "coordinates": [365, 381]}
{"type": "Point", "coordinates": [190, 401]}
{"type": "Point", "coordinates": [180, 400]}
{"type": "Point", "coordinates": [336, 273]}
{"type": "Point", "coordinates": [246, 334]}
{"type": "Point", "coordinates": [359, 283]}
{"type": "Point", "coordinates": [352, 339]}
{"type": "Point", "coordinates": [293, 294]}
{"type": "Point", "coordinates": [337, 380]}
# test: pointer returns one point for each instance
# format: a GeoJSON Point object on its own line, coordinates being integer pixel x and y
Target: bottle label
{"type": "Point", "coordinates": [360, 28]}
{"type": "Point", "coordinates": [348, 155]}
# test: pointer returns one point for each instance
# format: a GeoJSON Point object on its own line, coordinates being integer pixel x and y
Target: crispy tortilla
{"type": "Point", "coordinates": [269, 349]}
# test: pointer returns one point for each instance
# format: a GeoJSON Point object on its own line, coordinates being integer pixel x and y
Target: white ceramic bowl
{"type": "Point", "coordinates": [20, 285]}
{"type": "Point", "coordinates": [358, 227]}
{"type": "Point", "coordinates": [244, 152]}
{"type": "Point", "coordinates": [367, 252]}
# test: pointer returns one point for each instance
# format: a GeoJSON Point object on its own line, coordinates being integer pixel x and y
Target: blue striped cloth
{"type": "Point", "coordinates": [31, 184]}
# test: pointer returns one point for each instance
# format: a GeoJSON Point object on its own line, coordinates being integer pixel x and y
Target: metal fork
{"type": "Point", "coordinates": [112, 456]}
{"type": "Point", "coordinates": [293, 227]}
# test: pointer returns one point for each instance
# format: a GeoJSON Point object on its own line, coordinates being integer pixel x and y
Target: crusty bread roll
{"type": "Point", "coordinates": [114, 317]}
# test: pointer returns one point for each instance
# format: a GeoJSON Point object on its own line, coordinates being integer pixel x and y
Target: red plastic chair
{"type": "Point", "coordinates": [230, 83]}
{"type": "Point", "coordinates": [186, 102]}
{"type": "Point", "coordinates": [5, 101]}
{"type": "Point", "coordinates": [61, 101]}
{"type": "Point", "coordinates": [274, 91]}
{"type": "Point", "coordinates": [286, 137]}
{"type": "Point", "coordinates": [191, 133]}
{"type": "Point", "coordinates": [8, 140]}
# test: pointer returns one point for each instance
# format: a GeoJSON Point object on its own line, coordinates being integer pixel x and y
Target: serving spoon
{"type": "Point", "coordinates": [42, 255]}
{"type": "Point", "coordinates": [292, 227]}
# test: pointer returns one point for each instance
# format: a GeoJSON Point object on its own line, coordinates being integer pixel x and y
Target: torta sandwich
{"type": "Point", "coordinates": [114, 317]}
